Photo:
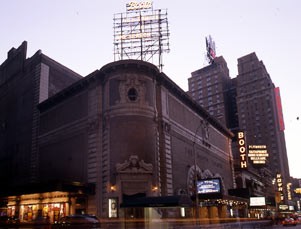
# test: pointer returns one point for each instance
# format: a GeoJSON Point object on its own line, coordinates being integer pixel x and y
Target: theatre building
{"type": "Point", "coordinates": [124, 142]}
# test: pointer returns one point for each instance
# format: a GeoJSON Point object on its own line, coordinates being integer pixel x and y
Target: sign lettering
{"type": "Point", "coordinates": [280, 185]}
{"type": "Point", "coordinates": [258, 154]}
{"type": "Point", "coordinates": [139, 5]}
{"type": "Point", "coordinates": [242, 149]}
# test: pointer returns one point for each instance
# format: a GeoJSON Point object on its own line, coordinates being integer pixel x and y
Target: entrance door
{"type": "Point", "coordinates": [134, 216]}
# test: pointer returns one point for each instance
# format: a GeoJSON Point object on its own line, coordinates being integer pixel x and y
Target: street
{"type": "Point", "coordinates": [293, 227]}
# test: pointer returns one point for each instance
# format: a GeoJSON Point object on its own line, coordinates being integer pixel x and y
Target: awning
{"type": "Point", "coordinates": [240, 192]}
{"type": "Point", "coordinates": [158, 201]}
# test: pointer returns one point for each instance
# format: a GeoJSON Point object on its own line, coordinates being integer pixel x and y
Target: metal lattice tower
{"type": "Point", "coordinates": [141, 33]}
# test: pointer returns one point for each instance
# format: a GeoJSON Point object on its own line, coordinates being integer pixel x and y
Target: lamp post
{"type": "Point", "coordinates": [195, 173]}
{"type": "Point", "coordinates": [196, 188]}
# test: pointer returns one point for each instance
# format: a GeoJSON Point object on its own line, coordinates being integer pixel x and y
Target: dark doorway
{"type": "Point", "coordinates": [134, 216]}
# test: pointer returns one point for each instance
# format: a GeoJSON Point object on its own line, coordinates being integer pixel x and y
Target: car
{"type": "Point", "coordinates": [78, 221]}
{"type": "Point", "coordinates": [289, 222]}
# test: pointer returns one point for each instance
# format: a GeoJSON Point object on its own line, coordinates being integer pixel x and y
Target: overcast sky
{"type": "Point", "coordinates": [79, 35]}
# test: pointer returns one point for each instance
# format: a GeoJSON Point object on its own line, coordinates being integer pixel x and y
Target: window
{"type": "Point", "coordinates": [132, 94]}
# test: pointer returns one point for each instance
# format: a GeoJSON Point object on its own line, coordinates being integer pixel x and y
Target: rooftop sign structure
{"type": "Point", "coordinates": [210, 46]}
{"type": "Point", "coordinates": [141, 33]}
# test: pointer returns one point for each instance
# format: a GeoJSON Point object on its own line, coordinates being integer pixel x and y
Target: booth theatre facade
{"type": "Point", "coordinates": [123, 142]}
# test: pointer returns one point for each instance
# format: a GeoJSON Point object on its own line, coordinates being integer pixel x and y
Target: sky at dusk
{"type": "Point", "coordinates": [79, 35]}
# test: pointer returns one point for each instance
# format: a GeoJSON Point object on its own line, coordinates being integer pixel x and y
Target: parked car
{"type": "Point", "coordinates": [289, 222]}
{"type": "Point", "coordinates": [78, 221]}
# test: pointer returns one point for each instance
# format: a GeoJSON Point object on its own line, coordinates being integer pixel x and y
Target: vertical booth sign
{"type": "Point", "coordinates": [242, 149]}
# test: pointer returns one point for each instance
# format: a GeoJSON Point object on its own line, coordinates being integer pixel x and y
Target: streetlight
{"type": "Point", "coordinates": [195, 171]}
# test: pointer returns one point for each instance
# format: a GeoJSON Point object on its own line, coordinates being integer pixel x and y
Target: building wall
{"type": "Point", "coordinates": [126, 128]}
{"type": "Point", "coordinates": [250, 105]}
{"type": "Point", "coordinates": [257, 112]}
{"type": "Point", "coordinates": [16, 118]}
{"type": "Point", "coordinates": [207, 86]}
{"type": "Point", "coordinates": [63, 141]}
{"type": "Point", "coordinates": [24, 82]}
{"type": "Point", "coordinates": [130, 130]}
{"type": "Point", "coordinates": [133, 134]}
{"type": "Point", "coordinates": [190, 138]}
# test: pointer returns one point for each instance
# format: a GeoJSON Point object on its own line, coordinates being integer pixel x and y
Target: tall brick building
{"type": "Point", "coordinates": [123, 134]}
{"type": "Point", "coordinates": [250, 103]}
{"type": "Point", "coordinates": [24, 83]}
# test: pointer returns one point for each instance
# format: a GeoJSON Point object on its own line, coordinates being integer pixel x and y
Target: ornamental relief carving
{"type": "Point", "coordinates": [134, 165]}
{"type": "Point", "coordinates": [93, 125]}
{"type": "Point", "coordinates": [132, 90]}
{"type": "Point", "coordinates": [195, 172]}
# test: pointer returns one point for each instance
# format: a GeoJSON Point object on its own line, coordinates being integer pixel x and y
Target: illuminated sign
{"type": "Point", "coordinates": [279, 185]}
{"type": "Point", "coordinates": [257, 201]}
{"type": "Point", "coordinates": [278, 197]}
{"type": "Point", "coordinates": [131, 6]}
{"type": "Point", "coordinates": [112, 208]}
{"type": "Point", "coordinates": [242, 149]}
{"type": "Point", "coordinates": [283, 207]}
{"type": "Point", "coordinates": [289, 191]}
{"type": "Point", "coordinates": [297, 190]}
{"type": "Point", "coordinates": [258, 154]}
{"type": "Point", "coordinates": [279, 182]}
{"type": "Point", "coordinates": [209, 186]}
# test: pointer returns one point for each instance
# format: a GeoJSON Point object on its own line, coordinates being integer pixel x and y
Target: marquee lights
{"type": "Point", "coordinates": [242, 149]}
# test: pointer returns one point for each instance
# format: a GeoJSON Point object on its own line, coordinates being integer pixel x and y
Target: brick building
{"type": "Point", "coordinates": [249, 103]}
{"type": "Point", "coordinates": [24, 83]}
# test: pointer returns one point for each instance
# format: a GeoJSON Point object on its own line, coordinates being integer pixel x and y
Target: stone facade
{"type": "Point", "coordinates": [130, 130]}
{"type": "Point", "coordinates": [123, 131]}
